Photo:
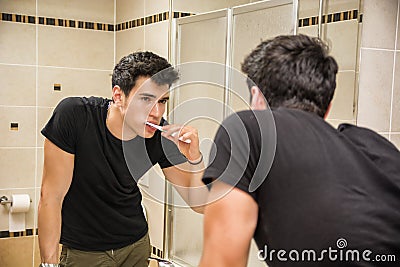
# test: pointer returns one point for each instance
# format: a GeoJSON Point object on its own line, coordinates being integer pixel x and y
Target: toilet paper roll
{"type": "Point", "coordinates": [16, 217]}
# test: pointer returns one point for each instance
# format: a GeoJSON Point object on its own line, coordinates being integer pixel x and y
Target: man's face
{"type": "Point", "coordinates": [146, 102]}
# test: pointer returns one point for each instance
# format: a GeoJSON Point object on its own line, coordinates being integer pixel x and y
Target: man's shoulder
{"type": "Point", "coordinates": [78, 102]}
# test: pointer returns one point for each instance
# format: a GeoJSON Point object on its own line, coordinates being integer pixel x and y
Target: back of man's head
{"type": "Point", "coordinates": [293, 71]}
{"type": "Point", "coordinates": [142, 64]}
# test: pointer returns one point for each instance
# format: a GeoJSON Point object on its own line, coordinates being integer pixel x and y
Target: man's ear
{"type": "Point", "coordinates": [258, 101]}
{"type": "Point", "coordinates": [117, 94]}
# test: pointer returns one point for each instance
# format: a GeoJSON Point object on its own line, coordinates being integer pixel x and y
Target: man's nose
{"type": "Point", "coordinates": [157, 110]}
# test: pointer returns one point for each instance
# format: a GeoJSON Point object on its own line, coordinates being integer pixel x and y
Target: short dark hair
{"type": "Point", "coordinates": [142, 64]}
{"type": "Point", "coordinates": [293, 71]}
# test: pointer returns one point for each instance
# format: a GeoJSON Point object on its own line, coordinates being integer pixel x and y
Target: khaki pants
{"type": "Point", "coordinates": [134, 255]}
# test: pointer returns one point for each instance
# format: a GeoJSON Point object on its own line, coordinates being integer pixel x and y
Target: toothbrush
{"type": "Point", "coordinates": [158, 127]}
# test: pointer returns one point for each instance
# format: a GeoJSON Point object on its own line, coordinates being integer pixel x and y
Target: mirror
{"type": "Point", "coordinates": [244, 28]}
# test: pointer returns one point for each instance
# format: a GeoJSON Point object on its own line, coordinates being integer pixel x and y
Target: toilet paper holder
{"type": "Point", "coordinates": [5, 200]}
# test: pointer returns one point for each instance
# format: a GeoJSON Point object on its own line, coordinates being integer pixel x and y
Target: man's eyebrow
{"type": "Point", "coordinates": [148, 95]}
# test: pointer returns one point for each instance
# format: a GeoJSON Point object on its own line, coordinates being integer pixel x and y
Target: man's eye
{"type": "Point", "coordinates": [163, 101]}
{"type": "Point", "coordinates": [146, 99]}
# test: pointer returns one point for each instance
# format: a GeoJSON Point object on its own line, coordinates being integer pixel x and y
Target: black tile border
{"type": "Point", "coordinates": [88, 25]}
{"type": "Point", "coordinates": [330, 18]}
{"type": "Point", "coordinates": [159, 253]}
{"type": "Point", "coordinates": [27, 232]}
{"type": "Point", "coordinates": [150, 20]}
{"type": "Point", "coordinates": [303, 22]}
{"type": "Point", "coordinates": [67, 23]}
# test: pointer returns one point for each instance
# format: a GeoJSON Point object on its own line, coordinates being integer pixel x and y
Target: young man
{"type": "Point", "coordinates": [95, 151]}
{"type": "Point", "coordinates": [331, 197]}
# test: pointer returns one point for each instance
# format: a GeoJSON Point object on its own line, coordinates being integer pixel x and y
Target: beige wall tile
{"type": "Point", "coordinates": [18, 85]}
{"type": "Point", "coordinates": [395, 139]}
{"type": "Point", "coordinates": [375, 88]}
{"type": "Point", "coordinates": [398, 26]}
{"type": "Point", "coordinates": [379, 24]}
{"type": "Point", "coordinates": [308, 8]}
{"type": "Point", "coordinates": [129, 41]}
{"type": "Point", "coordinates": [252, 27]}
{"type": "Point", "coordinates": [309, 30]}
{"type": "Point", "coordinates": [201, 6]}
{"type": "Point", "coordinates": [339, 5]}
{"type": "Point", "coordinates": [184, 246]}
{"type": "Point", "coordinates": [342, 38]}
{"type": "Point", "coordinates": [343, 99]}
{"type": "Point", "coordinates": [17, 167]}
{"type": "Point", "coordinates": [155, 188]}
{"type": "Point", "coordinates": [155, 219]}
{"type": "Point", "coordinates": [396, 96]}
{"type": "Point", "coordinates": [25, 135]}
{"type": "Point", "coordinates": [93, 11]}
{"type": "Point", "coordinates": [73, 83]}
{"type": "Point", "coordinates": [17, 251]}
{"type": "Point", "coordinates": [156, 38]}
{"type": "Point", "coordinates": [29, 216]}
{"type": "Point", "coordinates": [39, 169]}
{"type": "Point", "coordinates": [129, 9]}
{"type": "Point", "coordinates": [152, 7]}
{"type": "Point", "coordinates": [44, 115]}
{"type": "Point", "coordinates": [199, 44]}
{"type": "Point", "coordinates": [24, 7]}
{"type": "Point", "coordinates": [17, 43]}
{"type": "Point", "coordinates": [76, 48]}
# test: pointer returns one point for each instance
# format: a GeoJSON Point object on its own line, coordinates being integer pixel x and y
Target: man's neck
{"type": "Point", "coordinates": [115, 123]}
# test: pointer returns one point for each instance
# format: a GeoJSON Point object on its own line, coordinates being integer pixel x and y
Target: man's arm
{"type": "Point", "coordinates": [186, 177]}
{"type": "Point", "coordinates": [57, 176]}
{"type": "Point", "coordinates": [229, 225]}
{"type": "Point", "coordinates": [187, 181]}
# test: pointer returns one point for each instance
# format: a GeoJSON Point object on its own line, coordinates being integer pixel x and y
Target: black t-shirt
{"type": "Point", "coordinates": [327, 189]}
{"type": "Point", "coordinates": [102, 208]}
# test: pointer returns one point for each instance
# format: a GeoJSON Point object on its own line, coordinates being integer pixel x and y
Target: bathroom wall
{"type": "Point", "coordinates": [379, 89]}
{"type": "Point", "coordinates": [48, 50]}
{"type": "Point", "coordinates": [340, 30]}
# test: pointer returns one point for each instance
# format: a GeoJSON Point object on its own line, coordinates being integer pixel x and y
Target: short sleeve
{"type": "Point", "coordinates": [64, 124]}
{"type": "Point", "coordinates": [235, 154]}
{"type": "Point", "coordinates": [171, 154]}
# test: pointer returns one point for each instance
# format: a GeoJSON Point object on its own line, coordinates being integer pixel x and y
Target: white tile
{"type": "Point", "coordinates": [156, 38]}
{"type": "Point", "coordinates": [25, 135]}
{"type": "Point", "coordinates": [17, 43]}
{"type": "Point", "coordinates": [130, 9]}
{"type": "Point", "coordinates": [342, 38]}
{"type": "Point", "coordinates": [396, 96]}
{"type": "Point", "coordinates": [343, 100]}
{"type": "Point", "coordinates": [152, 7]}
{"type": "Point", "coordinates": [17, 167]}
{"type": "Point", "coordinates": [91, 11]}
{"type": "Point", "coordinates": [379, 24]}
{"type": "Point", "coordinates": [129, 41]}
{"type": "Point", "coordinates": [76, 48]}
{"type": "Point", "coordinates": [18, 85]}
{"type": "Point", "coordinates": [23, 7]}
{"type": "Point", "coordinates": [73, 82]}
{"type": "Point", "coordinates": [375, 89]}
